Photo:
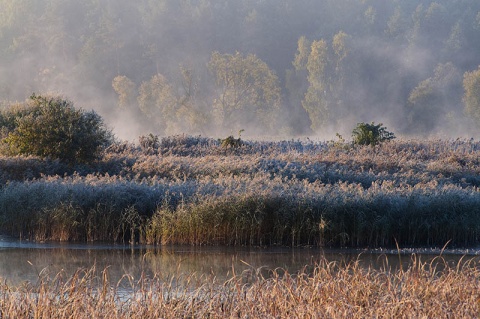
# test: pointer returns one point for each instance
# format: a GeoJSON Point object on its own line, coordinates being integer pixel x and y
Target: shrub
{"type": "Point", "coordinates": [52, 127]}
{"type": "Point", "coordinates": [371, 134]}
{"type": "Point", "coordinates": [149, 143]}
{"type": "Point", "coordinates": [230, 141]}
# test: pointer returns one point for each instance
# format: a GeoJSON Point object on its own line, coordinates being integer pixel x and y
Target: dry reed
{"type": "Point", "coordinates": [190, 190]}
{"type": "Point", "coordinates": [327, 290]}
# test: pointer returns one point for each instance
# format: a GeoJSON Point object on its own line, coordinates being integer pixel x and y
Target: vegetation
{"type": "Point", "coordinates": [371, 134]}
{"type": "Point", "coordinates": [190, 191]}
{"type": "Point", "coordinates": [433, 290]}
{"type": "Point", "coordinates": [280, 68]}
{"type": "Point", "coordinates": [471, 83]}
{"type": "Point", "coordinates": [248, 91]}
{"type": "Point", "coordinates": [149, 142]}
{"type": "Point", "coordinates": [231, 141]}
{"type": "Point", "coordinates": [51, 127]}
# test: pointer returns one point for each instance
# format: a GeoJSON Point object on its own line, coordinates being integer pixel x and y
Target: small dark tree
{"type": "Point", "coordinates": [52, 127]}
{"type": "Point", "coordinates": [371, 134]}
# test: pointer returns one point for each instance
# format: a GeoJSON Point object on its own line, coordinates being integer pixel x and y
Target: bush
{"type": "Point", "coordinates": [149, 143]}
{"type": "Point", "coordinates": [51, 127]}
{"type": "Point", "coordinates": [371, 134]}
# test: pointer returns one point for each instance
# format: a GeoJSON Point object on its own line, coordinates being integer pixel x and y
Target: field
{"type": "Point", "coordinates": [328, 290]}
{"type": "Point", "coordinates": [191, 190]}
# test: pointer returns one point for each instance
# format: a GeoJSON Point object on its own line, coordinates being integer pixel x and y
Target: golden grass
{"type": "Point", "coordinates": [424, 290]}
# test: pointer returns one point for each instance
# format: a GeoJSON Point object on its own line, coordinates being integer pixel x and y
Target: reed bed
{"type": "Point", "coordinates": [190, 190]}
{"type": "Point", "coordinates": [325, 290]}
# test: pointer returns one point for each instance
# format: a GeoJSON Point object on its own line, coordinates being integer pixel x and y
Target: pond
{"type": "Point", "coordinates": [22, 261]}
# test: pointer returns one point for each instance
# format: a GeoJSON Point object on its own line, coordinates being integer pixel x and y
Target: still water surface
{"type": "Point", "coordinates": [22, 261]}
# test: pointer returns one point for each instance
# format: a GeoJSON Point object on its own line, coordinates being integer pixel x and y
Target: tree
{"type": "Point", "coordinates": [125, 88]}
{"type": "Point", "coordinates": [190, 116]}
{"type": "Point", "coordinates": [455, 40]}
{"type": "Point", "coordinates": [371, 134]}
{"type": "Point", "coordinates": [431, 98]}
{"type": "Point", "coordinates": [471, 97]}
{"type": "Point", "coordinates": [296, 84]}
{"type": "Point", "coordinates": [247, 91]}
{"type": "Point", "coordinates": [49, 126]}
{"type": "Point", "coordinates": [301, 56]}
{"type": "Point", "coordinates": [326, 98]}
{"type": "Point", "coordinates": [157, 101]}
{"type": "Point", "coordinates": [315, 101]}
{"type": "Point", "coordinates": [396, 25]}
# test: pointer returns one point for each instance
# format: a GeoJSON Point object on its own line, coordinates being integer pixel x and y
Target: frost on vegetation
{"type": "Point", "coordinates": [418, 192]}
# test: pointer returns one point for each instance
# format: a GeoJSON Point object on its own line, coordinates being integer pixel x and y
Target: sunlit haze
{"type": "Point", "coordinates": [274, 68]}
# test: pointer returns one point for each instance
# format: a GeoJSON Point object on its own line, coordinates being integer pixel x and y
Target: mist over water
{"type": "Point", "coordinates": [401, 63]}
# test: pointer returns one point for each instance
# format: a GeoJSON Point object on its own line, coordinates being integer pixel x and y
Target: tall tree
{"type": "Point", "coordinates": [126, 90]}
{"type": "Point", "coordinates": [190, 114]}
{"type": "Point", "coordinates": [471, 98]}
{"type": "Point", "coordinates": [315, 101]}
{"type": "Point", "coordinates": [296, 85]}
{"type": "Point", "coordinates": [430, 100]}
{"type": "Point", "coordinates": [157, 101]}
{"type": "Point", "coordinates": [247, 92]}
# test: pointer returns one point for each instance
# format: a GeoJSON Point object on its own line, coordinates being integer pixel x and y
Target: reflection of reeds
{"type": "Point", "coordinates": [191, 191]}
{"type": "Point", "coordinates": [430, 290]}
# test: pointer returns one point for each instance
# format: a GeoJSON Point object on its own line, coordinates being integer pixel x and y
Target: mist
{"type": "Point", "coordinates": [400, 63]}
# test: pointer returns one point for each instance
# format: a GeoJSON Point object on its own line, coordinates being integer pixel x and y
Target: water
{"type": "Point", "coordinates": [22, 261]}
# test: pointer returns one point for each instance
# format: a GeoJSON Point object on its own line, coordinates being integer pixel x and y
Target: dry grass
{"type": "Point", "coordinates": [190, 190]}
{"type": "Point", "coordinates": [327, 290]}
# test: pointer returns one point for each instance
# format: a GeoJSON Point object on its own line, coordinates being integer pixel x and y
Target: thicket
{"type": "Point", "coordinates": [51, 127]}
{"type": "Point", "coordinates": [191, 190]}
{"type": "Point", "coordinates": [371, 134]}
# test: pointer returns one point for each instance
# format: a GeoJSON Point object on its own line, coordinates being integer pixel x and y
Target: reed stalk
{"type": "Point", "coordinates": [328, 289]}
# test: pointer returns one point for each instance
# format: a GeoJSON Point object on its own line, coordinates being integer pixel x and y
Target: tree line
{"type": "Point", "coordinates": [272, 67]}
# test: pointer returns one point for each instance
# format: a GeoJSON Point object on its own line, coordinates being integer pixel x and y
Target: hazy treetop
{"type": "Point", "coordinates": [382, 55]}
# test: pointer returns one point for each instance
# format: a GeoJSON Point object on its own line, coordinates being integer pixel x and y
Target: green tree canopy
{"type": "Point", "coordinates": [50, 126]}
{"type": "Point", "coordinates": [371, 134]}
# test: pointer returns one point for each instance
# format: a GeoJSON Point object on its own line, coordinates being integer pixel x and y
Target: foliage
{"type": "Point", "coordinates": [232, 142]}
{"type": "Point", "coordinates": [52, 127]}
{"type": "Point", "coordinates": [248, 91]}
{"type": "Point", "coordinates": [157, 101]}
{"type": "Point", "coordinates": [125, 88]}
{"type": "Point", "coordinates": [315, 101]}
{"type": "Point", "coordinates": [471, 99]}
{"type": "Point", "coordinates": [339, 143]}
{"type": "Point", "coordinates": [371, 134]}
{"type": "Point", "coordinates": [325, 100]}
{"type": "Point", "coordinates": [377, 57]}
{"type": "Point", "coordinates": [429, 100]}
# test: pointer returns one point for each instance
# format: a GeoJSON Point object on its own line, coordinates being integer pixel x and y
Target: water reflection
{"type": "Point", "coordinates": [25, 261]}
